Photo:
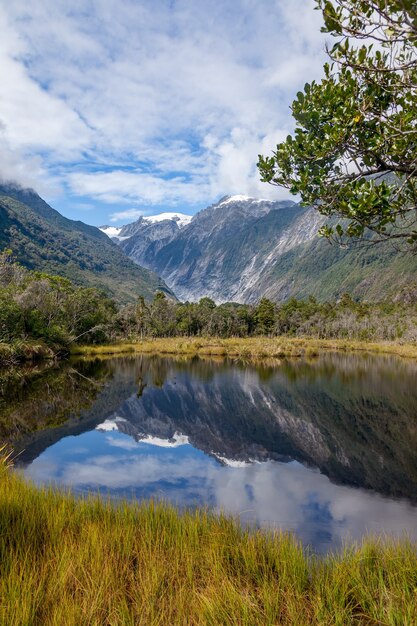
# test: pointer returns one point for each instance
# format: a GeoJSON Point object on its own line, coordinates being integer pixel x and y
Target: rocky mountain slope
{"type": "Point", "coordinates": [42, 239]}
{"type": "Point", "coordinates": [241, 249]}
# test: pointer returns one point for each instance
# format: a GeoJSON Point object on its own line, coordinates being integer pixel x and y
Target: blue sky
{"type": "Point", "coordinates": [115, 108]}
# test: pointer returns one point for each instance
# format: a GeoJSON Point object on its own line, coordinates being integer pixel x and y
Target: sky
{"type": "Point", "coordinates": [112, 109]}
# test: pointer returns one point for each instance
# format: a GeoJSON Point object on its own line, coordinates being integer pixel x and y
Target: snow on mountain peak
{"type": "Point", "coordinates": [240, 198]}
{"type": "Point", "coordinates": [110, 424]}
{"type": "Point", "coordinates": [237, 198]}
{"type": "Point", "coordinates": [176, 440]}
{"type": "Point", "coordinates": [181, 218]}
{"type": "Point", "coordinates": [112, 232]}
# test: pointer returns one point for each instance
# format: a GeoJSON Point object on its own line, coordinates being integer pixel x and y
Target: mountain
{"type": "Point", "coordinates": [154, 231]}
{"type": "Point", "coordinates": [371, 272]}
{"type": "Point", "coordinates": [152, 225]}
{"type": "Point", "coordinates": [43, 239]}
{"type": "Point", "coordinates": [147, 233]}
{"type": "Point", "coordinates": [242, 248]}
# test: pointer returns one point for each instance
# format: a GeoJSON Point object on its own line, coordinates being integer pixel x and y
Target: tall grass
{"type": "Point", "coordinates": [21, 351]}
{"type": "Point", "coordinates": [89, 562]}
{"type": "Point", "coordinates": [248, 347]}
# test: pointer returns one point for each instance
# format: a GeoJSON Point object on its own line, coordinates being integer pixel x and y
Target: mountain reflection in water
{"type": "Point", "coordinates": [325, 448]}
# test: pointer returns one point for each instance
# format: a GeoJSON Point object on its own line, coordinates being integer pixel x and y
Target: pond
{"type": "Point", "coordinates": [326, 448]}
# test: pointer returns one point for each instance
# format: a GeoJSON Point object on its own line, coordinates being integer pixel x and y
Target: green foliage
{"type": "Point", "coordinates": [34, 305]}
{"type": "Point", "coordinates": [44, 240]}
{"type": "Point", "coordinates": [45, 396]}
{"type": "Point", "coordinates": [353, 155]}
{"type": "Point", "coordinates": [294, 313]}
{"type": "Point", "coordinates": [265, 316]}
{"type": "Point", "coordinates": [344, 318]}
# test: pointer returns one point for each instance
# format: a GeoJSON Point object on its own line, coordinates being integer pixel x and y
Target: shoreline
{"type": "Point", "coordinates": [23, 352]}
{"type": "Point", "coordinates": [246, 348]}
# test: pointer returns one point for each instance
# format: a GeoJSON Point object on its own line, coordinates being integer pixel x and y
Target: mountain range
{"type": "Point", "coordinates": [241, 249]}
{"type": "Point", "coordinates": [43, 239]}
{"type": "Point", "coordinates": [238, 249]}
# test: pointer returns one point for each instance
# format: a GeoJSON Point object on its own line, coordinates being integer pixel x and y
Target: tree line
{"type": "Point", "coordinates": [344, 318]}
{"type": "Point", "coordinates": [35, 306]}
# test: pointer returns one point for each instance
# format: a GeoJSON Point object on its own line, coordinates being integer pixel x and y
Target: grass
{"type": "Point", "coordinates": [250, 347]}
{"type": "Point", "coordinates": [23, 351]}
{"type": "Point", "coordinates": [67, 561]}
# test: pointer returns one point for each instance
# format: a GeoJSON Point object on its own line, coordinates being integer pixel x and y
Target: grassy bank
{"type": "Point", "coordinates": [251, 347]}
{"type": "Point", "coordinates": [24, 351]}
{"type": "Point", "coordinates": [70, 562]}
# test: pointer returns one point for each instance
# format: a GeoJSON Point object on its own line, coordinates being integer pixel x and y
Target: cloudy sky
{"type": "Point", "coordinates": [115, 108]}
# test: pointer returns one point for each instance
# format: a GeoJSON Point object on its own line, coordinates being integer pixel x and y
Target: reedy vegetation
{"type": "Point", "coordinates": [243, 349]}
{"type": "Point", "coordinates": [88, 561]}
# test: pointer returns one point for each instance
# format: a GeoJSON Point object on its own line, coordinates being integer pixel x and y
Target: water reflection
{"type": "Point", "coordinates": [297, 446]}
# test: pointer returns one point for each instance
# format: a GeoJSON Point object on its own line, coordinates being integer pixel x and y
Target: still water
{"type": "Point", "coordinates": [326, 448]}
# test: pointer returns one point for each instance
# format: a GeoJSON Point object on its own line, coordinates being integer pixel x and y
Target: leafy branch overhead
{"type": "Point", "coordinates": [353, 154]}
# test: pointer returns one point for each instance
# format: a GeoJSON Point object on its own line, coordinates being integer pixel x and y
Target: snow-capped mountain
{"type": "Point", "coordinates": [241, 249]}
{"type": "Point", "coordinates": [112, 231]}
{"type": "Point", "coordinates": [222, 251]}
{"type": "Point", "coordinates": [180, 218]}
{"type": "Point", "coordinates": [121, 233]}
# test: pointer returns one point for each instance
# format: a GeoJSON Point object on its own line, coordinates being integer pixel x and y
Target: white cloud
{"type": "Point", "coordinates": [32, 117]}
{"type": "Point", "coordinates": [15, 167]}
{"type": "Point", "coordinates": [129, 214]}
{"type": "Point", "coordinates": [124, 444]}
{"type": "Point", "coordinates": [120, 186]}
{"type": "Point", "coordinates": [177, 100]}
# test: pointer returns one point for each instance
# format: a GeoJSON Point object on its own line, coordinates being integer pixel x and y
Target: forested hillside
{"type": "Point", "coordinates": [42, 239]}
{"type": "Point", "coordinates": [368, 272]}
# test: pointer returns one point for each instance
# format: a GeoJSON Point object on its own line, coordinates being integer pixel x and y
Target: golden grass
{"type": "Point", "coordinates": [73, 562]}
{"type": "Point", "coordinates": [250, 347]}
